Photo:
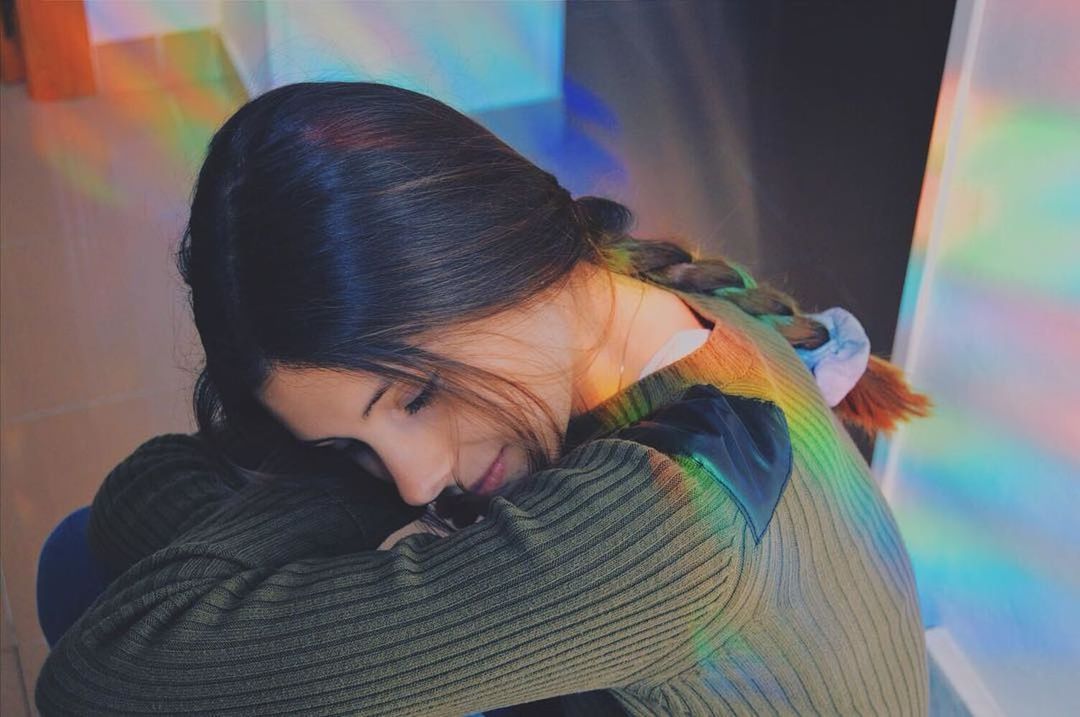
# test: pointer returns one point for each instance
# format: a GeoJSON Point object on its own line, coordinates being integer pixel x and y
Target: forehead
{"type": "Point", "coordinates": [289, 381]}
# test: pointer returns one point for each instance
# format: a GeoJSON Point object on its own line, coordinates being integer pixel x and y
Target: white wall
{"type": "Point", "coordinates": [243, 33]}
{"type": "Point", "coordinates": [472, 54]}
{"type": "Point", "coordinates": [987, 490]}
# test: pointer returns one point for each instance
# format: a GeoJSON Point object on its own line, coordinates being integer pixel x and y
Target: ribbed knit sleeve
{"type": "Point", "coordinates": [600, 572]}
{"type": "Point", "coordinates": [166, 485]}
{"type": "Point", "coordinates": [173, 482]}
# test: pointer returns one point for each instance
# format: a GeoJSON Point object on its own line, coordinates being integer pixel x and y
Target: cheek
{"type": "Point", "coordinates": [557, 403]}
{"type": "Point", "coordinates": [560, 400]}
{"type": "Point", "coordinates": [518, 465]}
{"type": "Point", "coordinates": [471, 429]}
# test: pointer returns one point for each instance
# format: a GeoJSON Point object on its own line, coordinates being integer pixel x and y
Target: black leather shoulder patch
{"type": "Point", "coordinates": [742, 442]}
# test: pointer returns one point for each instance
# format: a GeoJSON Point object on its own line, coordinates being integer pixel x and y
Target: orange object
{"type": "Point", "coordinates": [881, 399]}
{"type": "Point", "coordinates": [56, 48]}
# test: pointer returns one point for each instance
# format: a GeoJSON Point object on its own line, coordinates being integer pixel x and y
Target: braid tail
{"type": "Point", "coordinates": [881, 399]}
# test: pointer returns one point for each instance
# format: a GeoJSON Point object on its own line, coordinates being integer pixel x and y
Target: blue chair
{"type": "Point", "coordinates": [69, 577]}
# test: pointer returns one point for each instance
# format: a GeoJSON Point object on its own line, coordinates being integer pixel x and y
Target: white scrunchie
{"type": "Point", "coordinates": [839, 363]}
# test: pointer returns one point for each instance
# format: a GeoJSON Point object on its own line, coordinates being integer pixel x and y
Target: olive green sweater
{"type": "Point", "coordinates": [731, 558]}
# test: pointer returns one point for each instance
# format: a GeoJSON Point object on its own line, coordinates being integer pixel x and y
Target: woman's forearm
{"type": "Point", "coordinates": [599, 574]}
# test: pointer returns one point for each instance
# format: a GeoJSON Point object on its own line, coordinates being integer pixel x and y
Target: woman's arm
{"type": "Point", "coordinates": [598, 574]}
{"type": "Point", "coordinates": [173, 482]}
{"type": "Point", "coordinates": [165, 486]}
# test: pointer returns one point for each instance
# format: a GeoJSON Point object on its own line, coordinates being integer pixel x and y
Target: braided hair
{"type": "Point", "coordinates": [879, 400]}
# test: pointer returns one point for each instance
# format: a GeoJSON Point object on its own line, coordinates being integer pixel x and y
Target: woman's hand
{"type": "Point", "coordinates": [430, 522]}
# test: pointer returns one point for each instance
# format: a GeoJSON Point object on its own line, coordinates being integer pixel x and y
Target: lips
{"type": "Point", "coordinates": [493, 479]}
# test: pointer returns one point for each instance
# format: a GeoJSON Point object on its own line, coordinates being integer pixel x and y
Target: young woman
{"type": "Point", "coordinates": [648, 504]}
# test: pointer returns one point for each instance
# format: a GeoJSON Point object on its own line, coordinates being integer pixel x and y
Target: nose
{"type": "Point", "coordinates": [419, 475]}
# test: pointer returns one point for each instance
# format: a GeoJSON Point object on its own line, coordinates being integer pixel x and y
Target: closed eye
{"type": "Point", "coordinates": [424, 397]}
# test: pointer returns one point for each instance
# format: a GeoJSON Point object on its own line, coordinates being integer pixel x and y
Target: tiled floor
{"type": "Point", "coordinates": [96, 345]}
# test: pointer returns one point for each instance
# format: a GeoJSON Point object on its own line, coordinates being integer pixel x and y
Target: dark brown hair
{"type": "Point", "coordinates": [334, 223]}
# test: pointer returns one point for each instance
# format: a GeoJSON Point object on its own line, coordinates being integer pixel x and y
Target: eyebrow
{"type": "Point", "coordinates": [367, 411]}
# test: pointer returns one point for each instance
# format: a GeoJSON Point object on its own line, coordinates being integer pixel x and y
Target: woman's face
{"type": "Point", "coordinates": [416, 439]}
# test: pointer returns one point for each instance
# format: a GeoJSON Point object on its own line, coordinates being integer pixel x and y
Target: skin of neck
{"type": "Point", "coordinates": [595, 370]}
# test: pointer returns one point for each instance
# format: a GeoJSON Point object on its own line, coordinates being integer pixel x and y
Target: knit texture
{"type": "Point", "coordinates": [623, 579]}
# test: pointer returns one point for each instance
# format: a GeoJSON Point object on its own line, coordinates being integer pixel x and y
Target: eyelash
{"type": "Point", "coordinates": [423, 399]}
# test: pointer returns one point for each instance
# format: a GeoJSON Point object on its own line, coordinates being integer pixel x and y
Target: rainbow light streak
{"type": "Point", "coordinates": [475, 56]}
{"type": "Point", "coordinates": [577, 138]}
{"type": "Point", "coordinates": [180, 124]}
{"type": "Point", "coordinates": [986, 490]}
{"type": "Point", "coordinates": [181, 117]}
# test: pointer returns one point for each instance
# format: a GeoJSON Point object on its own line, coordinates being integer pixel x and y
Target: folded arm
{"type": "Point", "coordinates": [175, 481]}
{"type": "Point", "coordinates": [593, 574]}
